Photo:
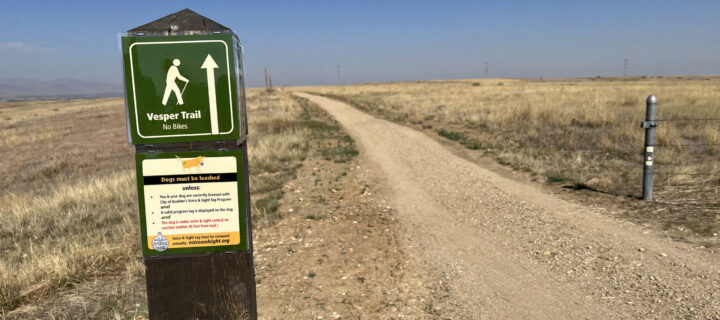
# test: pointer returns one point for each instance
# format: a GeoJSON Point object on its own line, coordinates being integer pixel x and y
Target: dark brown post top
{"type": "Point", "coordinates": [184, 21]}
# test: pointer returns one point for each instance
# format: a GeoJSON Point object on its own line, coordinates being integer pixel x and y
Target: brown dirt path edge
{"type": "Point", "coordinates": [513, 251]}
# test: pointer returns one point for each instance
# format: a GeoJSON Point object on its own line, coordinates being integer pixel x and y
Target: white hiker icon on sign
{"type": "Point", "coordinates": [170, 85]}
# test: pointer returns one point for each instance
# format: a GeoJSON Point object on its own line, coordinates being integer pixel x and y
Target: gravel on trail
{"type": "Point", "coordinates": [511, 250]}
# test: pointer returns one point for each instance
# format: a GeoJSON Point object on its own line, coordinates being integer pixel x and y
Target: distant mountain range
{"type": "Point", "coordinates": [19, 88]}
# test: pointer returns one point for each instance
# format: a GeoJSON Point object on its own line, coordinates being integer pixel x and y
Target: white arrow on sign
{"type": "Point", "coordinates": [209, 65]}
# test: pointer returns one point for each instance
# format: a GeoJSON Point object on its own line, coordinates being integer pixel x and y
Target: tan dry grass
{"type": "Point", "coordinates": [277, 144]}
{"type": "Point", "coordinates": [12, 112]}
{"type": "Point", "coordinates": [69, 190]}
{"type": "Point", "coordinates": [546, 126]}
{"type": "Point", "coordinates": [277, 135]}
{"type": "Point", "coordinates": [68, 194]}
{"type": "Point", "coordinates": [82, 230]}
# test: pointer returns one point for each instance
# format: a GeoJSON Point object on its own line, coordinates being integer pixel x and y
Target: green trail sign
{"type": "Point", "coordinates": [182, 88]}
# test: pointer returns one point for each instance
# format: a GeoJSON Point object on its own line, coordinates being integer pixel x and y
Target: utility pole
{"type": "Point", "coordinates": [267, 79]}
{"type": "Point", "coordinates": [339, 78]}
{"type": "Point", "coordinates": [625, 67]}
{"type": "Point", "coordinates": [486, 69]}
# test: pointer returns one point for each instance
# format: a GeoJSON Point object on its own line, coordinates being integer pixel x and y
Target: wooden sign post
{"type": "Point", "coordinates": [187, 118]}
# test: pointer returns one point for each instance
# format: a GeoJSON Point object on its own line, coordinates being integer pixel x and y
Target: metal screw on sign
{"type": "Point", "coordinates": [649, 125]}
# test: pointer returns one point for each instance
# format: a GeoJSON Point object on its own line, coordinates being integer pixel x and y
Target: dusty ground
{"type": "Point", "coordinates": [511, 250]}
{"type": "Point", "coordinates": [336, 254]}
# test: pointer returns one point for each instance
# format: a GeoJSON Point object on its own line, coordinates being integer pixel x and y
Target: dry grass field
{"type": "Point", "coordinates": [69, 211]}
{"type": "Point", "coordinates": [582, 134]}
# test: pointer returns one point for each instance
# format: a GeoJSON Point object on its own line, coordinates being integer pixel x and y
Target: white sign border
{"type": "Point", "coordinates": [135, 105]}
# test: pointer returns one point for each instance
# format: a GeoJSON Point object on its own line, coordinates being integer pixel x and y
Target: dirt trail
{"type": "Point", "coordinates": [510, 250]}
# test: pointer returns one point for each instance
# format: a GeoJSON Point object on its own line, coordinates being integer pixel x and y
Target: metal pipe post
{"type": "Point", "coordinates": [649, 125]}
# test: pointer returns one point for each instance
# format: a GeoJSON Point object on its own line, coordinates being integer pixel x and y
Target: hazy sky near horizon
{"type": "Point", "coordinates": [303, 42]}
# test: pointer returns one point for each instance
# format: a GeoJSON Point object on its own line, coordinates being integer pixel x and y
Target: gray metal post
{"type": "Point", "coordinates": [649, 125]}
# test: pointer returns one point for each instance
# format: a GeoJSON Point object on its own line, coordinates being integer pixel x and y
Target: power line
{"type": "Point", "coordinates": [486, 69]}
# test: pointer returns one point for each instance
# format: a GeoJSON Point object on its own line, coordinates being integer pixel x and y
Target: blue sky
{"type": "Point", "coordinates": [303, 42]}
